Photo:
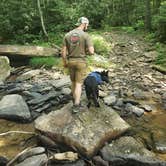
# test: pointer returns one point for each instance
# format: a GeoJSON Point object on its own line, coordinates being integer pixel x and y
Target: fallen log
{"type": "Point", "coordinates": [29, 51]}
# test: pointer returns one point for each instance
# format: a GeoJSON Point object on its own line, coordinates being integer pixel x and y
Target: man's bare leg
{"type": "Point", "coordinates": [73, 90]}
{"type": "Point", "coordinates": [77, 93]}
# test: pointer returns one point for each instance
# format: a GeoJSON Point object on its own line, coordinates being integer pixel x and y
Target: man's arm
{"type": "Point", "coordinates": [64, 55]}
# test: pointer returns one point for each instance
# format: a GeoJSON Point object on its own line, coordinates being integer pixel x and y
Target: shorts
{"type": "Point", "coordinates": [77, 70]}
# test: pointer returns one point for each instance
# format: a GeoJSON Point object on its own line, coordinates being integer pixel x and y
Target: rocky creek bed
{"type": "Point", "coordinates": [37, 127]}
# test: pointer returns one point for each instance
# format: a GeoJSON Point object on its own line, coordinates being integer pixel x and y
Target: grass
{"type": "Point", "coordinates": [47, 62]}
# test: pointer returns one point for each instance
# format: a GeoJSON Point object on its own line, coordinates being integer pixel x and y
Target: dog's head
{"type": "Point", "coordinates": [104, 76]}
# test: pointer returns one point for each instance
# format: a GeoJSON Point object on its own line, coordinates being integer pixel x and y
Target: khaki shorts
{"type": "Point", "coordinates": [77, 70]}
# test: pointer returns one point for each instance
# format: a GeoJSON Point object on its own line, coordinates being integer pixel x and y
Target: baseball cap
{"type": "Point", "coordinates": [82, 20]}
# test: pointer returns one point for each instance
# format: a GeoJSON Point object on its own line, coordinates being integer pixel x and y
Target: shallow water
{"type": "Point", "coordinates": [13, 143]}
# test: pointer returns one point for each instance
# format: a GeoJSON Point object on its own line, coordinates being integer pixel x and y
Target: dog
{"type": "Point", "coordinates": [91, 83]}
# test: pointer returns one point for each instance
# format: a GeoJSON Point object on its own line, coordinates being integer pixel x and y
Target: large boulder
{"type": "Point", "coordinates": [13, 107]}
{"type": "Point", "coordinates": [86, 131]}
{"type": "Point", "coordinates": [127, 151]}
{"type": "Point", "coordinates": [4, 68]}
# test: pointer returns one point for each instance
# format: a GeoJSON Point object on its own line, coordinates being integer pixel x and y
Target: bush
{"type": "Point", "coordinates": [161, 58]}
{"type": "Point", "coordinates": [128, 29]}
{"type": "Point", "coordinates": [98, 61]}
{"type": "Point", "coordinates": [47, 62]}
{"type": "Point", "coordinates": [159, 23]}
{"type": "Point", "coordinates": [102, 47]}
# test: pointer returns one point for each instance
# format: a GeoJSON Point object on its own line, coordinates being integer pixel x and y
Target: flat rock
{"type": "Point", "coordinates": [13, 107]}
{"type": "Point", "coordinates": [86, 131]}
{"type": "Point", "coordinates": [128, 151]}
{"type": "Point", "coordinates": [37, 160]}
{"type": "Point", "coordinates": [28, 75]}
{"type": "Point", "coordinates": [110, 100]}
{"type": "Point", "coordinates": [65, 81]}
{"type": "Point", "coordinates": [134, 109]}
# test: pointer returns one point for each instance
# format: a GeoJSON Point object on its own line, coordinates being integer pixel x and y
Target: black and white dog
{"type": "Point", "coordinates": [91, 83]}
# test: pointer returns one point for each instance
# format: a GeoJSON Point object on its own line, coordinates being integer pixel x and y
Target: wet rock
{"type": "Point", "coordinates": [13, 107]}
{"type": "Point", "coordinates": [29, 153]}
{"type": "Point", "coordinates": [28, 75]}
{"type": "Point", "coordinates": [127, 151]}
{"type": "Point", "coordinates": [159, 139]}
{"type": "Point", "coordinates": [164, 100]}
{"type": "Point", "coordinates": [3, 161]}
{"type": "Point", "coordinates": [98, 161]}
{"type": "Point", "coordinates": [110, 100]}
{"type": "Point", "coordinates": [4, 68]}
{"type": "Point", "coordinates": [77, 163]}
{"type": "Point", "coordinates": [38, 160]}
{"type": "Point", "coordinates": [131, 108]}
{"type": "Point", "coordinates": [86, 131]}
{"type": "Point", "coordinates": [146, 107]}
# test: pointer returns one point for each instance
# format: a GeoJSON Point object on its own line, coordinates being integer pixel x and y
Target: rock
{"type": "Point", "coordinates": [31, 94]}
{"type": "Point", "coordinates": [13, 107]}
{"type": "Point", "coordinates": [159, 139]}
{"type": "Point", "coordinates": [77, 163]}
{"type": "Point", "coordinates": [146, 107]}
{"type": "Point", "coordinates": [4, 68]}
{"type": "Point", "coordinates": [66, 91]}
{"type": "Point", "coordinates": [65, 81]}
{"type": "Point", "coordinates": [44, 98]}
{"type": "Point", "coordinates": [28, 51]}
{"type": "Point", "coordinates": [38, 160]}
{"type": "Point", "coordinates": [141, 95]}
{"type": "Point", "coordinates": [102, 93]}
{"type": "Point", "coordinates": [110, 100]}
{"type": "Point", "coordinates": [28, 75]}
{"type": "Point", "coordinates": [3, 161]}
{"type": "Point", "coordinates": [131, 108]}
{"type": "Point", "coordinates": [98, 161]}
{"type": "Point", "coordinates": [29, 153]}
{"type": "Point", "coordinates": [86, 131]}
{"type": "Point", "coordinates": [127, 151]}
{"type": "Point", "coordinates": [69, 156]}
{"type": "Point", "coordinates": [45, 107]}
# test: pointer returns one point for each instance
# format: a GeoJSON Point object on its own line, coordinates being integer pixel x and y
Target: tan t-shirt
{"type": "Point", "coordinates": [77, 42]}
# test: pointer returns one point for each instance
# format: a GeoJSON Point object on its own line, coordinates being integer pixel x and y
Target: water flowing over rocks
{"type": "Point", "coordinates": [85, 132]}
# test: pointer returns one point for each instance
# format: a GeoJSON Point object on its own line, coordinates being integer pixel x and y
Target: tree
{"type": "Point", "coordinates": [148, 26]}
{"type": "Point", "coordinates": [41, 18]}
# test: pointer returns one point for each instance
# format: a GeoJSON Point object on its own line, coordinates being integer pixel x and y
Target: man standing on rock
{"type": "Point", "coordinates": [75, 45]}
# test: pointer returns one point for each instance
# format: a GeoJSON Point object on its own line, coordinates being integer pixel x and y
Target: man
{"type": "Point", "coordinates": [75, 46]}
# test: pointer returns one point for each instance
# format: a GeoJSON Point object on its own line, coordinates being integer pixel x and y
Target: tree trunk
{"type": "Point", "coordinates": [148, 16]}
{"type": "Point", "coordinates": [41, 18]}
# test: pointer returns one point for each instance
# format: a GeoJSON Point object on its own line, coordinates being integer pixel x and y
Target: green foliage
{"type": "Point", "coordinates": [161, 58]}
{"type": "Point", "coordinates": [47, 62]}
{"type": "Point", "coordinates": [128, 29]}
{"type": "Point", "coordinates": [102, 47]}
{"type": "Point", "coordinates": [150, 37]}
{"type": "Point", "coordinates": [159, 23]}
{"type": "Point", "coordinates": [98, 61]}
{"type": "Point", "coordinates": [139, 25]}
